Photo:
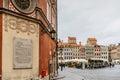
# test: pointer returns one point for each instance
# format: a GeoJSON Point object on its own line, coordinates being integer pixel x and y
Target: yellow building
{"type": "Point", "coordinates": [118, 51]}
{"type": "Point", "coordinates": [76, 51]}
{"type": "Point", "coordinates": [113, 53]}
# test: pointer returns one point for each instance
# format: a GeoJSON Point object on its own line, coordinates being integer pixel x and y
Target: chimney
{"type": "Point", "coordinates": [79, 43]}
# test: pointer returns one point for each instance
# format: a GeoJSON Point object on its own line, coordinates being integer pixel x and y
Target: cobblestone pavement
{"type": "Point", "coordinates": [91, 74]}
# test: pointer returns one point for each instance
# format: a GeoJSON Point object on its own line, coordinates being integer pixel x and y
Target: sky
{"type": "Point", "coordinates": [85, 19]}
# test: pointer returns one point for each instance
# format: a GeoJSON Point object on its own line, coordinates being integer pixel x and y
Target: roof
{"type": "Point", "coordinates": [67, 44]}
{"type": "Point", "coordinates": [96, 45]}
{"type": "Point", "coordinates": [91, 39]}
{"type": "Point", "coordinates": [72, 38]}
{"type": "Point", "coordinates": [75, 45]}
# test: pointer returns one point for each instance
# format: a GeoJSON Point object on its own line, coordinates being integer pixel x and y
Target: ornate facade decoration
{"type": "Point", "coordinates": [20, 25]}
{"type": "Point", "coordinates": [11, 7]}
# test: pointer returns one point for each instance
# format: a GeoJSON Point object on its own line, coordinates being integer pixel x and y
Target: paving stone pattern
{"type": "Point", "coordinates": [91, 74]}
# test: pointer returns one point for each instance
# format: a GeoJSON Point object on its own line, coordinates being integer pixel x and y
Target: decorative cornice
{"type": "Point", "coordinates": [20, 25]}
{"type": "Point", "coordinates": [45, 19]}
{"type": "Point", "coordinates": [22, 16]}
{"type": "Point", "coordinates": [43, 16]}
{"type": "Point", "coordinates": [3, 10]}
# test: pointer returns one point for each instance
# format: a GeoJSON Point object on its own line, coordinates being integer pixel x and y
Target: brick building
{"type": "Point", "coordinates": [27, 41]}
{"type": "Point", "coordinates": [97, 51]}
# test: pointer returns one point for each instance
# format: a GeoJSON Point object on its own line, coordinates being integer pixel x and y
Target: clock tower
{"type": "Point", "coordinates": [27, 44]}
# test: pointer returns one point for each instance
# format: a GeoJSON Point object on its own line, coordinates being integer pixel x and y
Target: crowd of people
{"type": "Point", "coordinates": [90, 65]}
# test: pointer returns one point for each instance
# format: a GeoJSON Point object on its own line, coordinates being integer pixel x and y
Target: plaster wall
{"type": "Point", "coordinates": [14, 27]}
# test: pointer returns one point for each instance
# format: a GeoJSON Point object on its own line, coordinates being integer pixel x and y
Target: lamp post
{"type": "Point", "coordinates": [61, 50]}
{"type": "Point", "coordinates": [54, 37]}
{"type": "Point", "coordinates": [57, 53]}
{"type": "Point", "coordinates": [53, 34]}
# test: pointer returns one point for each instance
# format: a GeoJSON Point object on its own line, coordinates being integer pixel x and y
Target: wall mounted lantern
{"type": "Point", "coordinates": [53, 34]}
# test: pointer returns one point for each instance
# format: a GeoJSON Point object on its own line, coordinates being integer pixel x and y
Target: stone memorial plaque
{"type": "Point", "coordinates": [22, 53]}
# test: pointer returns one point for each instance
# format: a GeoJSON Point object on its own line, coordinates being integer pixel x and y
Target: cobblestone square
{"type": "Point", "coordinates": [91, 74]}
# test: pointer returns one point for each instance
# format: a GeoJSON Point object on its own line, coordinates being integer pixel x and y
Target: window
{"type": "Point", "coordinates": [65, 57]}
{"type": "Point", "coordinates": [48, 11]}
{"type": "Point", "coordinates": [53, 20]}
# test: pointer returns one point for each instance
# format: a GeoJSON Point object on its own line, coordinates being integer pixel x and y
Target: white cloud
{"type": "Point", "coordinates": [89, 18]}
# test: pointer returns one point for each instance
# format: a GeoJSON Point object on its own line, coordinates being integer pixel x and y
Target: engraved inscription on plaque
{"type": "Point", "coordinates": [22, 53]}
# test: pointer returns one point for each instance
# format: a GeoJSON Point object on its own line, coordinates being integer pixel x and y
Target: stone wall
{"type": "Point", "coordinates": [27, 32]}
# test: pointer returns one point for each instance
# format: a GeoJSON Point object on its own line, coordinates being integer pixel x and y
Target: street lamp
{"type": "Point", "coordinates": [53, 34]}
{"type": "Point", "coordinates": [61, 50]}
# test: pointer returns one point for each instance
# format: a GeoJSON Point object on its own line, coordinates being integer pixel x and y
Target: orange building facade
{"type": "Point", "coordinates": [28, 38]}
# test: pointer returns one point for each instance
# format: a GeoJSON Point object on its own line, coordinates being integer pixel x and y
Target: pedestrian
{"type": "Point", "coordinates": [64, 65]}
{"type": "Point", "coordinates": [110, 64]}
{"type": "Point", "coordinates": [61, 66]}
{"type": "Point", "coordinates": [113, 64]}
